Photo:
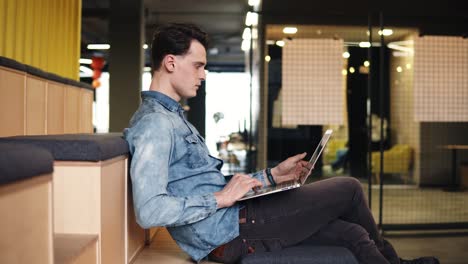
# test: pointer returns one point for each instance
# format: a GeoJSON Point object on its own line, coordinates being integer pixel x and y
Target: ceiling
{"type": "Point", "coordinates": [223, 20]}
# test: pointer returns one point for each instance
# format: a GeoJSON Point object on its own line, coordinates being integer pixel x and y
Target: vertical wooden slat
{"type": "Point", "coordinates": [55, 107]}
{"type": "Point", "coordinates": [35, 106]}
{"type": "Point", "coordinates": [72, 108]}
{"type": "Point", "coordinates": [11, 102]}
{"type": "Point", "coordinates": [86, 111]}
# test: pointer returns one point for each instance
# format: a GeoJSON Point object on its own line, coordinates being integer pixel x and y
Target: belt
{"type": "Point", "coordinates": [218, 253]}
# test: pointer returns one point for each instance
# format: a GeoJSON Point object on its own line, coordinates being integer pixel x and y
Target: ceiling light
{"type": "Point", "coordinates": [147, 69]}
{"type": "Point", "coordinates": [145, 46]}
{"type": "Point", "coordinates": [246, 34]}
{"type": "Point", "coordinates": [290, 30]}
{"type": "Point", "coordinates": [399, 69]}
{"type": "Point", "coordinates": [86, 70]}
{"type": "Point", "coordinates": [386, 32]}
{"type": "Point", "coordinates": [267, 58]}
{"type": "Point", "coordinates": [85, 61]}
{"type": "Point", "coordinates": [366, 63]}
{"type": "Point", "coordinates": [98, 46]}
{"type": "Point", "coordinates": [251, 19]}
{"type": "Point", "coordinates": [351, 69]}
{"type": "Point", "coordinates": [408, 66]}
{"type": "Point", "coordinates": [344, 72]}
{"type": "Point", "coordinates": [270, 42]}
{"type": "Point", "coordinates": [364, 44]}
{"type": "Point", "coordinates": [245, 46]}
{"type": "Point", "coordinates": [346, 55]}
{"type": "Point", "coordinates": [280, 43]}
{"type": "Point", "coordinates": [254, 2]}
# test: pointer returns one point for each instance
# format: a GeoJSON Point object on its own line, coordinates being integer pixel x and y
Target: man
{"type": "Point", "coordinates": [177, 184]}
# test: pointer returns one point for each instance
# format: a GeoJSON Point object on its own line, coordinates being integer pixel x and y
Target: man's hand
{"type": "Point", "coordinates": [293, 168]}
{"type": "Point", "coordinates": [235, 189]}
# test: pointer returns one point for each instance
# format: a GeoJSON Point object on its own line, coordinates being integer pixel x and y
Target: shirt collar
{"type": "Point", "coordinates": [163, 99]}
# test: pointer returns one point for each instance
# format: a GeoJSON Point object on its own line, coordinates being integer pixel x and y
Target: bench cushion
{"type": "Point", "coordinates": [77, 147]}
{"type": "Point", "coordinates": [303, 254]}
{"type": "Point", "coordinates": [19, 162]}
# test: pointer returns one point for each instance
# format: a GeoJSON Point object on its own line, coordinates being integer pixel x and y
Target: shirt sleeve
{"type": "Point", "coordinates": [151, 146]}
{"type": "Point", "coordinates": [259, 175]}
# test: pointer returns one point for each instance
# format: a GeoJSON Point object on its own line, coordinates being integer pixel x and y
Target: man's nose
{"type": "Point", "coordinates": [203, 75]}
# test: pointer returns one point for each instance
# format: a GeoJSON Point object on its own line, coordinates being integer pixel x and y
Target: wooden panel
{"type": "Point", "coordinates": [135, 234]}
{"type": "Point", "coordinates": [35, 106]}
{"type": "Point", "coordinates": [25, 229]}
{"type": "Point", "coordinates": [72, 110]}
{"type": "Point", "coordinates": [11, 102]}
{"type": "Point", "coordinates": [55, 107]}
{"type": "Point", "coordinates": [113, 213]}
{"type": "Point", "coordinates": [75, 248]}
{"type": "Point", "coordinates": [86, 112]}
{"type": "Point", "coordinates": [76, 198]}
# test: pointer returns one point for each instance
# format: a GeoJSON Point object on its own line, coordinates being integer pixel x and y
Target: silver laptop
{"type": "Point", "coordinates": [291, 184]}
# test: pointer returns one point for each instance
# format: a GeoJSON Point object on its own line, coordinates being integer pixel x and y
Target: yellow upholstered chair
{"type": "Point", "coordinates": [397, 159]}
{"type": "Point", "coordinates": [330, 150]}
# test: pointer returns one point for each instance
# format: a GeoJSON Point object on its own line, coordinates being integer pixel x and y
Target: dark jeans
{"type": "Point", "coordinates": [329, 212]}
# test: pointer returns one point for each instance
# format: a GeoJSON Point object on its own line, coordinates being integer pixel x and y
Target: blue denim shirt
{"type": "Point", "coordinates": [174, 178]}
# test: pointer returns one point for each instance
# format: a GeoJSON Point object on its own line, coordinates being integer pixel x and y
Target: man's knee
{"type": "Point", "coordinates": [349, 182]}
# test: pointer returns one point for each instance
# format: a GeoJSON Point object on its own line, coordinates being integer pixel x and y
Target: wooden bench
{"type": "Point", "coordinates": [25, 204]}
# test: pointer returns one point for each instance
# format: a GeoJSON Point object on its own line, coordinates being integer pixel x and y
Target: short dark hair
{"type": "Point", "coordinates": [174, 38]}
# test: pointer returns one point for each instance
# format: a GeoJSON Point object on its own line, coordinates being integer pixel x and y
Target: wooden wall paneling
{"type": "Point", "coordinates": [12, 99]}
{"type": "Point", "coordinates": [35, 106]}
{"type": "Point", "coordinates": [72, 110]}
{"type": "Point", "coordinates": [26, 228]}
{"type": "Point", "coordinates": [113, 211]}
{"type": "Point", "coordinates": [86, 112]}
{"type": "Point", "coordinates": [135, 240]}
{"type": "Point", "coordinates": [55, 108]}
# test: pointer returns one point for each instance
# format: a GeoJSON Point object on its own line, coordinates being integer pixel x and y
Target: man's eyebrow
{"type": "Point", "coordinates": [199, 63]}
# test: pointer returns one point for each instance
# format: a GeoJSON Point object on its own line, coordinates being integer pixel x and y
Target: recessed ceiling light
{"type": "Point", "coordinates": [85, 61]}
{"type": "Point", "coordinates": [98, 46]}
{"type": "Point", "coordinates": [280, 43]}
{"type": "Point", "coordinates": [346, 55]}
{"type": "Point", "coordinates": [290, 30]}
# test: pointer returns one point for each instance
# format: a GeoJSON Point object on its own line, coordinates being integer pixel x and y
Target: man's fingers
{"type": "Point", "coordinates": [298, 157]}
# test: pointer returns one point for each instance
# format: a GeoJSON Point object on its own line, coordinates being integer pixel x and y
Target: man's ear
{"type": "Point", "coordinates": [169, 62]}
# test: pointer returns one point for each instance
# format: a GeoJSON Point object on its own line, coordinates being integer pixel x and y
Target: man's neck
{"type": "Point", "coordinates": [162, 84]}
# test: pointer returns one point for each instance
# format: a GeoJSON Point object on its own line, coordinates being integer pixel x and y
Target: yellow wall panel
{"type": "Point", "coordinates": [42, 33]}
{"type": "Point", "coordinates": [35, 106]}
{"type": "Point", "coordinates": [11, 102]}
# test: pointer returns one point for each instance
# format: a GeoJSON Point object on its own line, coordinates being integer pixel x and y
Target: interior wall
{"type": "Point", "coordinates": [404, 128]}
{"type": "Point", "coordinates": [45, 34]}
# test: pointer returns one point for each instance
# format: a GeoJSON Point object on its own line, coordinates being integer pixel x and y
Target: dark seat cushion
{"type": "Point", "coordinates": [306, 254]}
{"type": "Point", "coordinates": [19, 162]}
{"type": "Point", "coordinates": [77, 147]}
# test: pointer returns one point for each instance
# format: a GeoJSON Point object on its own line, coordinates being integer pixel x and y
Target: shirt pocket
{"type": "Point", "coordinates": [196, 156]}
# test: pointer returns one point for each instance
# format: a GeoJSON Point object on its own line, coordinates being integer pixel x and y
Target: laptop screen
{"type": "Point", "coordinates": [317, 152]}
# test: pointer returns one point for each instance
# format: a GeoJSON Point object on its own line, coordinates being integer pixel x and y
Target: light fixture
{"type": "Point", "coordinates": [351, 69]}
{"type": "Point", "coordinates": [86, 70]}
{"type": "Point", "coordinates": [344, 72]}
{"type": "Point", "coordinates": [145, 46]}
{"type": "Point", "coordinates": [147, 69]}
{"type": "Point", "coordinates": [267, 58]}
{"type": "Point", "coordinates": [364, 44]}
{"type": "Point", "coordinates": [245, 46]}
{"type": "Point", "coordinates": [399, 69]}
{"type": "Point", "coordinates": [85, 61]}
{"type": "Point", "coordinates": [346, 55]}
{"type": "Point", "coordinates": [246, 34]}
{"type": "Point", "coordinates": [280, 43]}
{"type": "Point", "coordinates": [386, 32]}
{"type": "Point", "coordinates": [408, 66]}
{"type": "Point", "coordinates": [98, 46]}
{"type": "Point", "coordinates": [366, 63]}
{"type": "Point", "coordinates": [290, 30]}
{"type": "Point", "coordinates": [251, 19]}
{"type": "Point", "coordinates": [270, 42]}
{"type": "Point", "coordinates": [254, 2]}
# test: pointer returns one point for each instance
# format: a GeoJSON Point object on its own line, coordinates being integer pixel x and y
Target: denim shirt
{"type": "Point", "coordinates": [174, 178]}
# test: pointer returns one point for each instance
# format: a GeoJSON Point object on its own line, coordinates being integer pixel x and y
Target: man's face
{"type": "Point", "coordinates": [189, 71]}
